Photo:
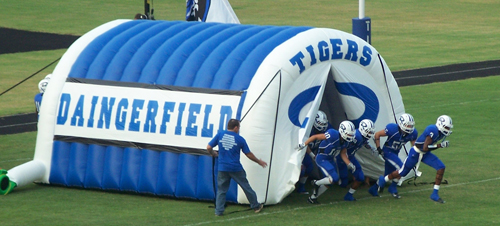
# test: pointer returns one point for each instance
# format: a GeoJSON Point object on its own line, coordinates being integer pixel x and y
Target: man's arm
{"type": "Point", "coordinates": [377, 136]}
{"type": "Point", "coordinates": [212, 152]}
{"type": "Point", "coordinates": [252, 157]}
{"type": "Point", "coordinates": [343, 155]}
{"type": "Point", "coordinates": [320, 136]}
{"type": "Point", "coordinates": [310, 153]}
{"type": "Point", "coordinates": [427, 147]}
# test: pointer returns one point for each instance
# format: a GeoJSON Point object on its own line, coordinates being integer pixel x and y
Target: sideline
{"type": "Point", "coordinates": [15, 160]}
{"type": "Point", "coordinates": [338, 202]}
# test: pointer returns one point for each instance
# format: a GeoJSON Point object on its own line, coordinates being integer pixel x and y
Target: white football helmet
{"type": "Point", "coordinates": [347, 131]}
{"type": "Point", "coordinates": [321, 121]}
{"type": "Point", "coordinates": [406, 123]}
{"type": "Point", "coordinates": [42, 85]}
{"type": "Point", "coordinates": [367, 128]}
{"type": "Point", "coordinates": [444, 124]}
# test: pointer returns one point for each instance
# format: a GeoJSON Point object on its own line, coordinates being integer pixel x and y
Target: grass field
{"type": "Point", "coordinates": [408, 34]}
{"type": "Point", "coordinates": [471, 195]}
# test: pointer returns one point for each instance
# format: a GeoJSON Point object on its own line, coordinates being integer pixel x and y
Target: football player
{"type": "Point", "coordinates": [397, 136]}
{"type": "Point", "coordinates": [332, 143]}
{"type": "Point", "coordinates": [347, 160]}
{"type": "Point", "coordinates": [42, 85]}
{"type": "Point", "coordinates": [431, 139]}
{"type": "Point", "coordinates": [320, 125]}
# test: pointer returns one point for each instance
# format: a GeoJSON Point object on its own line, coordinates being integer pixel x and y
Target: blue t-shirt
{"type": "Point", "coordinates": [230, 144]}
{"type": "Point", "coordinates": [332, 145]}
{"type": "Point", "coordinates": [431, 131]}
{"type": "Point", "coordinates": [396, 140]}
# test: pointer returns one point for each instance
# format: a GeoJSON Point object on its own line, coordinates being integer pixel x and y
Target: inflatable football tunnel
{"type": "Point", "coordinates": [132, 105]}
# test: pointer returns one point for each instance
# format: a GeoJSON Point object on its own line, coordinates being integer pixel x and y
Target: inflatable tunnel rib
{"type": "Point", "coordinates": [132, 105]}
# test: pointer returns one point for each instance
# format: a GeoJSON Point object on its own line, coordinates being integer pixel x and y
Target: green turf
{"type": "Point", "coordinates": [471, 170]}
{"type": "Point", "coordinates": [408, 34]}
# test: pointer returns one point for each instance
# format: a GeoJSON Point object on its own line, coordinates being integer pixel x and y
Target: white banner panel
{"type": "Point", "coordinates": [143, 115]}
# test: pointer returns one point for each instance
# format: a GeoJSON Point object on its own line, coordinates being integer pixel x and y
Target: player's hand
{"type": "Point", "coordinates": [445, 144]}
{"type": "Point", "coordinates": [352, 167]}
{"type": "Point", "coordinates": [301, 146]}
{"type": "Point", "coordinates": [380, 152]}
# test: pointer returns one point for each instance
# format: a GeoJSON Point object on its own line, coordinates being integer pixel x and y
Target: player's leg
{"type": "Point", "coordinates": [358, 177]}
{"type": "Point", "coordinates": [342, 172]}
{"type": "Point", "coordinates": [394, 163]}
{"type": "Point", "coordinates": [434, 162]}
{"type": "Point", "coordinates": [306, 169]}
{"type": "Point", "coordinates": [325, 164]}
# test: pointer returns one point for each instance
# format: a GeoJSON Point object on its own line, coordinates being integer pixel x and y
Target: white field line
{"type": "Point", "coordinates": [226, 219]}
{"type": "Point", "coordinates": [15, 160]}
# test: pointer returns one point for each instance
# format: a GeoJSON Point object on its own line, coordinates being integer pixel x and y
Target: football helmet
{"type": "Point", "coordinates": [321, 121]}
{"type": "Point", "coordinates": [42, 85]}
{"type": "Point", "coordinates": [347, 131]}
{"type": "Point", "coordinates": [444, 124]}
{"type": "Point", "coordinates": [367, 128]}
{"type": "Point", "coordinates": [406, 123]}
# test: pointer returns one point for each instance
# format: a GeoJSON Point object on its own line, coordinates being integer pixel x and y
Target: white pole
{"type": "Point", "coordinates": [361, 9]}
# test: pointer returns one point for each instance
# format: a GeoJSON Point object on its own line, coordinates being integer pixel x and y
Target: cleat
{"type": "Point", "coordinates": [258, 209]}
{"type": "Point", "coordinates": [394, 191]}
{"type": "Point", "coordinates": [374, 190]}
{"type": "Point", "coordinates": [393, 188]}
{"type": "Point", "coordinates": [435, 197]}
{"type": "Point", "coordinates": [349, 197]}
{"type": "Point", "coordinates": [312, 200]}
{"type": "Point", "coordinates": [218, 214]}
{"type": "Point", "coordinates": [396, 195]}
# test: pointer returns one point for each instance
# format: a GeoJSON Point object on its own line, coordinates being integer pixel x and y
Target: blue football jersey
{"type": "Point", "coordinates": [332, 145]}
{"type": "Point", "coordinates": [315, 144]}
{"type": "Point", "coordinates": [396, 140]}
{"type": "Point", "coordinates": [359, 142]}
{"type": "Point", "coordinates": [431, 131]}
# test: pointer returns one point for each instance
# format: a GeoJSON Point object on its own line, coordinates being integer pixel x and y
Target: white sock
{"type": "Point", "coordinates": [352, 191]}
{"type": "Point", "coordinates": [321, 190]}
{"type": "Point", "coordinates": [324, 181]}
{"type": "Point", "coordinates": [386, 178]}
{"type": "Point", "coordinates": [436, 187]}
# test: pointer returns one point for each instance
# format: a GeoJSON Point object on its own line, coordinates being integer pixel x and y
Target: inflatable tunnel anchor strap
{"type": "Point", "coordinates": [6, 186]}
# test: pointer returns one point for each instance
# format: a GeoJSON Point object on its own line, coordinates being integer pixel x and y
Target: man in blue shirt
{"type": "Point", "coordinates": [230, 144]}
{"type": "Point", "coordinates": [431, 139]}
{"type": "Point", "coordinates": [333, 142]}
{"type": "Point", "coordinates": [347, 160]}
{"type": "Point", "coordinates": [397, 136]}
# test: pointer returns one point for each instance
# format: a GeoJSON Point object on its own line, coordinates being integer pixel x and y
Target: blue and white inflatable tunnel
{"type": "Point", "coordinates": [132, 105]}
